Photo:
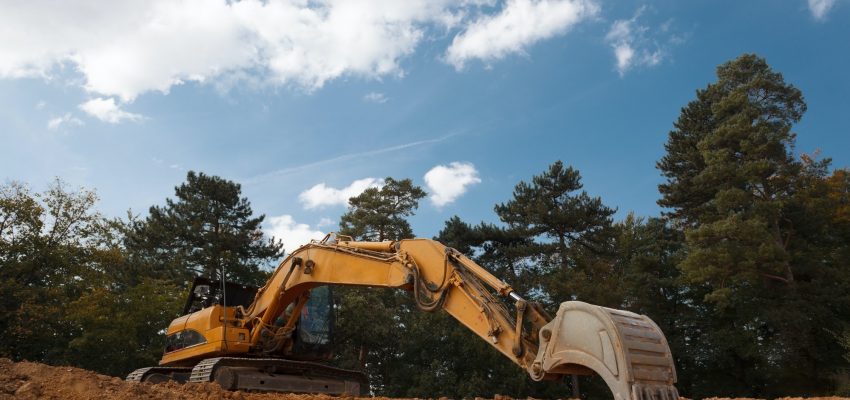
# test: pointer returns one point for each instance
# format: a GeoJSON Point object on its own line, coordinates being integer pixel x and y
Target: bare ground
{"type": "Point", "coordinates": [29, 380]}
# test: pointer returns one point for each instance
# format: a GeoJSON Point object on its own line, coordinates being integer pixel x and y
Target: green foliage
{"type": "Point", "coordinates": [48, 246]}
{"type": "Point", "coordinates": [379, 214]}
{"type": "Point", "coordinates": [127, 322]}
{"type": "Point", "coordinates": [758, 225]}
{"type": "Point", "coordinates": [730, 170]}
{"type": "Point", "coordinates": [549, 207]}
{"type": "Point", "coordinates": [64, 288]}
{"type": "Point", "coordinates": [209, 227]}
{"type": "Point", "coordinates": [842, 377]}
{"type": "Point", "coordinates": [566, 234]}
{"type": "Point", "coordinates": [746, 272]}
{"type": "Point", "coordinates": [371, 321]}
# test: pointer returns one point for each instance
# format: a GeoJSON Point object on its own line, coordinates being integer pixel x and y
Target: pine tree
{"type": "Point", "coordinates": [379, 214]}
{"type": "Point", "coordinates": [371, 320]}
{"type": "Point", "coordinates": [207, 229]}
{"type": "Point", "coordinates": [568, 233]}
{"type": "Point", "coordinates": [755, 233]}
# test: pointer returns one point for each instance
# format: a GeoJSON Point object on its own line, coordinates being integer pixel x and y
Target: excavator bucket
{"type": "Point", "coordinates": [626, 349]}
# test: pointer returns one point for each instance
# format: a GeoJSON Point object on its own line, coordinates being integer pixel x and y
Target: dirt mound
{"type": "Point", "coordinates": [779, 398]}
{"type": "Point", "coordinates": [27, 380]}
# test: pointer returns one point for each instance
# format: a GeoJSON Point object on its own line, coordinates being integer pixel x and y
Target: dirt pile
{"type": "Point", "coordinates": [778, 398]}
{"type": "Point", "coordinates": [27, 380]}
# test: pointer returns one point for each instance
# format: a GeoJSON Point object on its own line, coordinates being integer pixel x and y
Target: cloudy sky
{"type": "Point", "coordinates": [307, 103]}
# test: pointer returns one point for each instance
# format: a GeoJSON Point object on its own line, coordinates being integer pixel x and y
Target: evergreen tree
{"type": "Point", "coordinates": [649, 251]}
{"type": "Point", "coordinates": [567, 237]}
{"type": "Point", "coordinates": [755, 230]}
{"type": "Point", "coordinates": [379, 214]}
{"type": "Point", "coordinates": [568, 232]}
{"type": "Point", "coordinates": [438, 356]}
{"type": "Point", "coordinates": [208, 228]}
{"type": "Point", "coordinates": [371, 321]}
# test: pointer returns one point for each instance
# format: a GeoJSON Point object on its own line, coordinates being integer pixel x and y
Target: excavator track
{"type": "Point", "coordinates": [159, 374]}
{"type": "Point", "coordinates": [274, 374]}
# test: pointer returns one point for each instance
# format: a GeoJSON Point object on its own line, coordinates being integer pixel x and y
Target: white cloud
{"type": "Point", "coordinates": [122, 49]}
{"type": "Point", "coordinates": [126, 48]}
{"type": "Point", "coordinates": [325, 222]}
{"type": "Point", "coordinates": [375, 97]}
{"type": "Point", "coordinates": [624, 53]}
{"type": "Point", "coordinates": [447, 183]}
{"type": "Point", "coordinates": [293, 234]}
{"type": "Point", "coordinates": [819, 8]}
{"type": "Point", "coordinates": [40, 105]}
{"type": "Point", "coordinates": [520, 24]}
{"type": "Point", "coordinates": [67, 119]}
{"type": "Point", "coordinates": [322, 195]}
{"type": "Point", "coordinates": [633, 45]}
{"type": "Point", "coordinates": [105, 109]}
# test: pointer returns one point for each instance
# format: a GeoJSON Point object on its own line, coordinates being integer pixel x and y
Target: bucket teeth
{"type": "Point", "coordinates": [654, 392]}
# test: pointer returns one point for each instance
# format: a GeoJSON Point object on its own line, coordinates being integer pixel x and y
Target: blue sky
{"type": "Point", "coordinates": [306, 103]}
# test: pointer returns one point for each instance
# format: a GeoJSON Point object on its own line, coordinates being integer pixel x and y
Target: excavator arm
{"type": "Point", "coordinates": [627, 350]}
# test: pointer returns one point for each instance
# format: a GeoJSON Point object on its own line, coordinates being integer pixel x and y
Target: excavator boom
{"type": "Point", "coordinates": [627, 350]}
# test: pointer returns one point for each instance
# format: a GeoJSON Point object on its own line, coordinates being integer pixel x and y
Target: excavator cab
{"type": "Point", "coordinates": [313, 338]}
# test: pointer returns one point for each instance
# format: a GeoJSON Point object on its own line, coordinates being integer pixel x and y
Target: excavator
{"type": "Point", "coordinates": [273, 338]}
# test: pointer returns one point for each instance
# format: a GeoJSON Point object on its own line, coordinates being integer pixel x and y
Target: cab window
{"type": "Point", "coordinates": [183, 339]}
{"type": "Point", "coordinates": [315, 326]}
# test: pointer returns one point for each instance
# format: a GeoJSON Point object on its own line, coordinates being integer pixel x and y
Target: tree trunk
{"type": "Point", "coordinates": [362, 356]}
{"type": "Point", "coordinates": [562, 241]}
{"type": "Point", "coordinates": [777, 235]}
{"type": "Point", "coordinates": [576, 391]}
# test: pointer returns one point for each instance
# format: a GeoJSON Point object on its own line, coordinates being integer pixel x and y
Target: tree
{"type": "Point", "coordinates": [379, 214]}
{"type": "Point", "coordinates": [568, 232]}
{"type": "Point", "coordinates": [435, 355]}
{"type": "Point", "coordinates": [66, 289]}
{"type": "Point", "coordinates": [649, 251]}
{"type": "Point", "coordinates": [729, 168]}
{"type": "Point", "coordinates": [465, 366]}
{"type": "Point", "coordinates": [756, 233]}
{"type": "Point", "coordinates": [121, 329]}
{"type": "Point", "coordinates": [208, 229]}
{"type": "Point", "coordinates": [371, 321]}
{"type": "Point", "coordinates": [843, 377]}
{"type": "Point", "coordinates": [547, 207]}
{"type": "Point", "coordinates": [49, 246]}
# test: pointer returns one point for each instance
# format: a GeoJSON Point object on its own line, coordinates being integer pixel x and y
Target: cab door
{"type": "Point", "coordinates": [314, 332]}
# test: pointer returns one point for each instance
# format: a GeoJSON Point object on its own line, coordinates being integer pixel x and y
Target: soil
{"type": "Point", "coordinates": [29, 380]}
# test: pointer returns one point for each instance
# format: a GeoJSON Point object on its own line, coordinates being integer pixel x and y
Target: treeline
{"type": "Point", "coordinates": [747, 271]}
{"type": "Point", "coordinates": [77, 288]}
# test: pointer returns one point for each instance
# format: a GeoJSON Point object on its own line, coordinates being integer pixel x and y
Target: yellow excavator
{"type": "Point", "coordinates": [270, 338]}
